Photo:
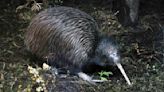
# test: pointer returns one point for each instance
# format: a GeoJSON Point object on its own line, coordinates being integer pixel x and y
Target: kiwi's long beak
{"type": "Point", "coordinates": [123, 72]}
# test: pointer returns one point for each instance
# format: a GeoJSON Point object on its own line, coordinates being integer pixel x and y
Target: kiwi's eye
{"type": "Point", "coordinates": [114, 54]}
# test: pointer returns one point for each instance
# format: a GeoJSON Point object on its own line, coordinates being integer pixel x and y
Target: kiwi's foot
{"type": "Point", "coordinates": [88, 78]}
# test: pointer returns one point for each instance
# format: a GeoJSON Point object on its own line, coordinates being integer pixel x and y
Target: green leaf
{"type": "Point", "coordinates": [107, 73]}
{"type": "Point", "coordinates": [104, 73]}
{"type": "Point", "coordinates": [103, 78]}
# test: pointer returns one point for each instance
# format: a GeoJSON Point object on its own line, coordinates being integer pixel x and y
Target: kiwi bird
{"type": "Point", "coordinates": [69, 38]}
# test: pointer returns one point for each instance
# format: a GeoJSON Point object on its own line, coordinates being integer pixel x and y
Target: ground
{"type": "Point", "coordinates": [141, 52]}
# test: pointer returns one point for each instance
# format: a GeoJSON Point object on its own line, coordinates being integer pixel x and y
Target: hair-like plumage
{"type": "Point", "coordinates": [65, 33]}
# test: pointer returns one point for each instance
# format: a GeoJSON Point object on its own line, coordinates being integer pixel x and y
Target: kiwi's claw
{"type": "Point", "coordinates": [98, 81]}
{"type": "Point", "coordinates": [86, 78]}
